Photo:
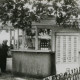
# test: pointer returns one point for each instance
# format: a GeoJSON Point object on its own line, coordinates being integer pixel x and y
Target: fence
{"type": "Point", "coordinates": [72, 75]}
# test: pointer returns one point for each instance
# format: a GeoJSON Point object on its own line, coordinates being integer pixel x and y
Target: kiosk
{"type": "Point", "coordinates": [50, 50]}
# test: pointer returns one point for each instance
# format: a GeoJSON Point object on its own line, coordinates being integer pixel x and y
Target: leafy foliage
{"type": "Point", "coordinates": [15, 13]}
{"type": "Point", "coordinates": [64, 10]}
{"type": "Point", "coordinates": [20, 16]}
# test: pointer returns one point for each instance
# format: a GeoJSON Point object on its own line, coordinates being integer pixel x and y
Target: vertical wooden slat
{"type": "Point", "coordinates": [36, 39]}
{"type": "Point", "coordinates": [23, 38]}
{"type": "Point", "coordinates": [14, 38]}
{"type": "Point", "coordinates": [10, 36]}
{"type": "Point", "coordinates": [18, 38]}
{"type": "Point", "coordinates": [53, 41]}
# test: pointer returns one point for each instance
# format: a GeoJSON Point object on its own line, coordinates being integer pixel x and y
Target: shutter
{"type": "Point", "coordinates": [66, 48]}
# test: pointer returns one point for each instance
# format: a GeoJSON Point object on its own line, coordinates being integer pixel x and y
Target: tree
{"type": "Point", "coordinates": [21, 16]}
{"type": "Point", "coordinates": [15, 13]}
{"type": "Point", "coordinates": [64, 10]}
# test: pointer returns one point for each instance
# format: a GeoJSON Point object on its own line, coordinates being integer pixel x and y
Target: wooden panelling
{"type": "Point", "coordinates": [34, 64]}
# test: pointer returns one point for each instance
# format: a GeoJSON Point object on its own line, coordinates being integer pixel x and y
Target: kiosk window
{"type": "Point", "coordinates": [44, 39]}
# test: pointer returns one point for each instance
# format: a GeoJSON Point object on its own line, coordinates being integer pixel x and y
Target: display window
{"type": "Point", "coordinates": [44, 39]}
{"type": "Point", "coordinates": [36, 39]}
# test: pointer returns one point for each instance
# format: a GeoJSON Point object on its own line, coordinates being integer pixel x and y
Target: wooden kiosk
{"type": "Point", "coordinates": [33, 55]}
{"type": "Point", "coordinates": [51, 50]}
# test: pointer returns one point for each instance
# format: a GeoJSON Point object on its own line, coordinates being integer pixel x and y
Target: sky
{"type": "Point", "coordinates": [4, 36]}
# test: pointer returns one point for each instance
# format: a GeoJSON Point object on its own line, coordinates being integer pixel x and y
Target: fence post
{"type": "Point", "coordinates": [56, 77]}
{"type": "Point", "coordinates": [79, 72]}
{"type": "Point", "coordinates": [69, 76]}
{"type": "Point", "coordinates": [53, 77]}
{"type": "Point", "coordinates": [47, 78]}
{"type": "Point", "coordinates": [73, 75]}
{"type": "Point", "coordinates": [65, 76]}
{"type": "Point", "coordinates": [77, 75]}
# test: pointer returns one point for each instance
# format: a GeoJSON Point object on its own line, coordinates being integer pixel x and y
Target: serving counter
{"type": "Point", "coordinates": [35, 63]}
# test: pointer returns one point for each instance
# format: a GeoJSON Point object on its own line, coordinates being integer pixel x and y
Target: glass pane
{"type": "Point", "coordinates": [44, 39]}
{"type": "Point", "coordinates": [30, 43]}
{"type": "Point", "coordinates": [20, 38]}
{"type": "Point", "coordinates": [20, 41]}
{"type": "Point", "coordinates": [30, 40]}
{"type": "Point", "coordinates": [16, 38]}
{"type": "Point", "coordinates": [12, 37]}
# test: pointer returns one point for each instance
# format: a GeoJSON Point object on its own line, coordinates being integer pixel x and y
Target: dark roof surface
{"type": "Point", "coordinates": [45, 22]}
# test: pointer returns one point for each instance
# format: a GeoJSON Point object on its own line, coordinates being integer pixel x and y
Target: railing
{"type": "Point", "coordinates": [72, 75]}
